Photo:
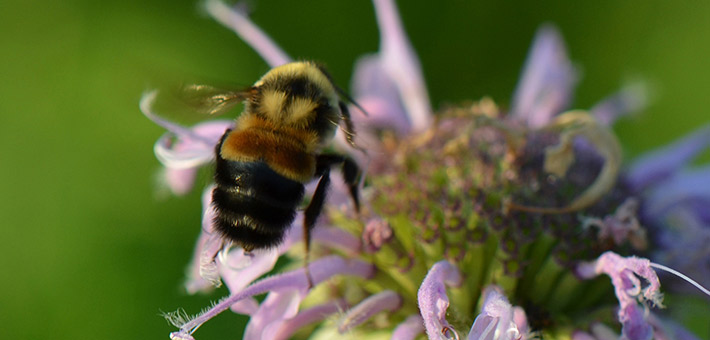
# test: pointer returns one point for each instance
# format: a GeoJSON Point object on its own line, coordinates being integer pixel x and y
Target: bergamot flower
{"type": "Point", "coordinates": [477, 222]}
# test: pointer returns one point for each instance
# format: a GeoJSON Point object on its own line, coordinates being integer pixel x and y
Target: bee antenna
{"type": "Point", "coordinates": [350, 99]}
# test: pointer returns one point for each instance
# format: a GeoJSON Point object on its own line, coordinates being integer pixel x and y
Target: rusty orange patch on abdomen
{"type": "Point", "coordinates": [284, 152]}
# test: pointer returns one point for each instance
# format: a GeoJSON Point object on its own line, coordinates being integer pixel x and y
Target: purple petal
{"type": "Point", "coordinates": [624, 273]}
{"type": "Point", "coordinates": [699, 209]}
{"type": "Point", "coordinates": [241, 25]}
{"type": "Point", "coordinates": [603, 332]}
{"type": "Point", "coordinates": [682, 189]}
{"type": "Point", "coordinates": [192, 150]}
{"type": "Point", "coordinates": [240, 269]}
{"type": "Point", "coordinates": [684, 237]}
{"type": "Point", "coordinates": [336, 238]}
{"type": "Point", "coordinates": [306, 317]}
{"type": "Point", "coordinates": [383, 301]}
{"type": "Point", "coordinates": [631, 98]}
{"type": "Point", "coordinates": [181, 335]}
{"type": "Point", "coordinates": [402, 64]}
{"type": "Point", "coordinates": [635, 326]}
{"type": "Point", "coordinates": [182, 154]}
{"type": "Point", "coordinates": [521, 321]}
{"type": "Point", "coordinates": [664, 162]}
{"type": "Point", "coordinates": [599, 332]}
{"type": "Point", "coordinates": [409, 329]}
{"type": "Point", "coordinates": [273, 311]}
{"type": "Point", "coordinates": [579, 335]}
{"type": "Point", "coordinates": [320, 270]}
{"type": "Point", "coordinates": [377, 93]}
{"type": "Point", "coordinates": [180, 181]}
{"type": "Point", "coordinates": [669, 330]}
{"type": "Point", "coordinates": [547, 82]}
{"type": "Point", "coordinates": [432, 298]}
{"type": "Point", "coordinates": [496, 319]}
{"type": "Point", "coordinates": [202, 271]}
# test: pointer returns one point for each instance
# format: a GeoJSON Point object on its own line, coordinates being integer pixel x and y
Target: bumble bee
{"type": "Point", "coordinates": [274, 149]}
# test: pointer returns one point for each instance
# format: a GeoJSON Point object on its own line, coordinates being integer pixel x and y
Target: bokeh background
{"type": "Point", "coordinates": [90, 250]}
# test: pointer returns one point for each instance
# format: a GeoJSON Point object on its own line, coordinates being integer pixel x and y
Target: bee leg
{"type": "Point", "coordinates": [350, 173]}
{"type": "Point", "coordinates": [324, 163]}
{"type": "Point", "coordinates": [312, 212]}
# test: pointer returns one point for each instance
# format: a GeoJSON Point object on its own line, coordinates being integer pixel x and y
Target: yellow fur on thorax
{"type": "Point", "coordinates": [299, 111]}
{"type": "Point", "coordinates": [272, 103]}
{"type": "Point", "coordinates": [287, 150]}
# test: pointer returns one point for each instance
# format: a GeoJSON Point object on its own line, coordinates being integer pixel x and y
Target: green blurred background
{"type": "Point", "coordinates": [89, 252]}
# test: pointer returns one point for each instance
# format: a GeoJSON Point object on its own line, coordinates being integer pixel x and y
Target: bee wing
{"type": "Point", "coordinates": [210, 100]}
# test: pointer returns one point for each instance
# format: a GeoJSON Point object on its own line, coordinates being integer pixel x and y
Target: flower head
{"type": "Point", "coordinates": [476, 224]}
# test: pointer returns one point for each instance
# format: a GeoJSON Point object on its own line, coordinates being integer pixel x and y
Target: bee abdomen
{"type": "Point", "coordinates": [249, 239]}
{"type": "Point", "coordinates": [254, 205]}
{"type": "Point", "coordinates": [257, 179]}
{"type": "Point", "coordinates": [261, 215]}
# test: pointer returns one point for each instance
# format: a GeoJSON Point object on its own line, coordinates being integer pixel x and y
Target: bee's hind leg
{"type": "Point", "coordinates": [311, 215]}
{"type": "Point", "coordinates": [324, 163]}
